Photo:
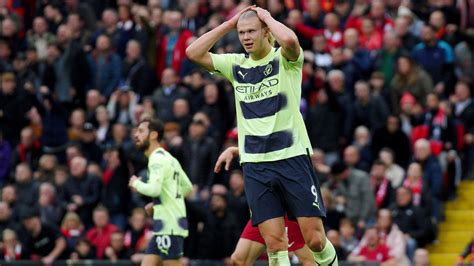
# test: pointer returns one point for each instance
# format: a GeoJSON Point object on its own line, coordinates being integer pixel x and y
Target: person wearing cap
{"type": "Point", "coordinates": [91, 150]}
{"type": "Point", "coordinates": [198, 152]}
{"type": "Point", "coordinates": [42, 240]}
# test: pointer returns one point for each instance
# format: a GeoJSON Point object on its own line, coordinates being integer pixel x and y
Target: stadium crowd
{"type": "Point", "coordinates": [387, 100]}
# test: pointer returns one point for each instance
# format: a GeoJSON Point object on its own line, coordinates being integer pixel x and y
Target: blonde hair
{"type": "Point", "coordinates": [250, 14]}
{"type": "Point", "coordinates": [71, 216]}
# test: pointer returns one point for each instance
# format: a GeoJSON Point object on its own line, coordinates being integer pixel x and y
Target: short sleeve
{"type": "Point", "coordinates": [223, 64]}
{"type": "Point", "coordinates": [293, 65]}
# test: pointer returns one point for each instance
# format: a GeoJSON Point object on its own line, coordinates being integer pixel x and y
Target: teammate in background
{"type": "Point", "coordinates": [273, 140]}
{"type": "Point", "coordinates": [167, 184]}
{"type": "Point", "coordinates": [251, 243]}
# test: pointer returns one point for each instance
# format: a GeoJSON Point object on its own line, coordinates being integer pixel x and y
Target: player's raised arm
{"type": "Point", "coordinates": [283, 35]}
{"type": "Point", "coordinates": [198, 51]}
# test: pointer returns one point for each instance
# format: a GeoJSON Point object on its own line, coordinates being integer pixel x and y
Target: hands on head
{"type": "Point", "coordinates": [261, 13]}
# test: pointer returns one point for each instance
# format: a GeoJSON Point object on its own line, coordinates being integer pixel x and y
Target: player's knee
{"type": "Point", "coordinates": [316, 241]}
{"type": "Point", "coordinates": [276, 242]}
{"type": "Point", "coordinates": [237, 259]}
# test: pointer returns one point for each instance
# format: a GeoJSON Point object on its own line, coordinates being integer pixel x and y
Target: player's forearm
{"type": "Point", "coordinates": [149, 190]}
{"type": "Point", "coordinates": [283, 35]}
{"type": "Point", "coordinates": [200, 47]}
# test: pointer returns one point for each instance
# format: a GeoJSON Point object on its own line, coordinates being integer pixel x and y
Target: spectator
{"type": "Point", "coordinates": [26, 188]}
{"type": "Point", "coordinates": [333, 236]}
{"type": "Point", "coordinates": [353, 160]}
{"type": "Point", "coordinates": [54, 123]}
{"type": "Point", "coordinates": [12, 250]}
{"type": "Point", "coordinates": [325, 124]}
{"type": "Point", "coordinates": [136, 72]}
{"type": "Point", "coordinates": [103, 125]}
{"type": "Point", "coordinates": [386, 60]}
{"type": "Point", "coordinates": [331, 31]}
{"type": "Point", "coordinates": [236, 199]}
{"type": "Point", "coordinates": [84, 10]}
{"type": "Point", "coordinates": [440, 125]}
{"type": "Point", "coordinates": [391, 235]}
{"type": "Point", "coordinates": [120, 138]}
{"type": "Point", "coordinates": [381, 186]}
{"type": "Point", "coordinates": [197, 153]}
{"type": "Point", "coordinates": [411, 221]}
{"type": "Point", "coordinates": [164, 97]}
{"type": "Point", "coordinates": [391, 136]}
{"type": "Point", "coordinates": [60, 178]}
{"type": "Point", "coordinates": [115, 191]}
{"type": "Point", "coordinates": [110, 28]}
{"type": "Point", "coordinates": [40, 37]}
{"type": "Point", "coordinates": [409, 78]}
{"type": "Point", "coordinates": [51, 209]}
{"type": "Point", "coordinates": [191, 18]}
{"type": "Point", "coordinates": [6, 221]}
{"type": "Point", "coordinates": [354, 185]}
{"type": "Point", "coordinates": [99, 235]}
{"type": "Point", "coordinates": [47, 165]}
{"type": "Point", "coordinates": [420, 192]}
{"type": "Point", "coordinates": [88, 143]}
{"type": "Point", "coordinates": [83, 251]}
{"type": "Point", "coordinates": [72, 230]}
{"type": "Point", "coordinates": [394, 172]}
{"type": "Point", "coordinates": [348, 240]}
{"type": "Point", "coordinates": [77, 121]}
{"type": "Point", "coordinates": [126, 25]}
{"type": "Point", "coordinates": [358, 55]}
{"type": "Point", "coordinates": [69, 78]}
{"type": "Point", "coordinates": [122, 105]}
{"type": "Point", "coordinates": [421, 257]}
{"type": "Point", "coordinates": [171, 49]}
{"type": "Point", "coordinates": [196, 83]}
{"type": "Point", "coordinates": [368, 110]}
{"type": "Point", "coordinates": [376, 13]}
{"type": "Point", "coordinates": [182, 114]}
{"type": "Point", "coordinates": [81, 191]}
{"type": "Point", "coordinates": [93, 101]}
{"type": "Point", "coordinates": [437, 58]}
{"type": "Point", "coordinates": [321, 164]}
{"type": "Point", "coordinates": [80, 34]}
{"type": "Point", "coordinates": [105, 67]}
{"type": "Point", "coordinates": [12, 111]}
{"type": "Point", "coordinates": [334, 210]}
{"type": "Point", "coordinates": [464, 114]}
{"type": "Point", "coordinates": [28, 150]}
{"type": "Point", "coordinates": [369, 38]}
{"type": "Point", "coordinates": [220, 232]}
{"type": "Point", "coordinates": [216, 105]}
{"type": "Point", "coordinates": [9, 196]}
{"type": "Point", "coordinates": [363, 143]}
{"type": "Point", "coordinates": [138, 232]}
{"type": "Point", "coordinates": [372, 250]}
{"type": "Point", "coordinates": [43, 241]}
{"type": "Point", "coordinates": [53, 17]}
{"type": "Point", "coordinates": [117, 250]}
{"type": "Point", "coordinates": [463, 54]}
{"type": "Point", "coordinates": [432, 173]}
{"type": "Point", "coordinates": [407, 39]}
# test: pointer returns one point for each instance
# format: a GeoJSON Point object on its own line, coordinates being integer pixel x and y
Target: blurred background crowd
{"type": "Point", "coordinates": [387, 99]}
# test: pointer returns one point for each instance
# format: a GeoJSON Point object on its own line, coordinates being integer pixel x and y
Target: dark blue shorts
{"type": "Point", "coordinates": [288, 186]}
{"type": "Point", "coordinates": [166, 246]}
